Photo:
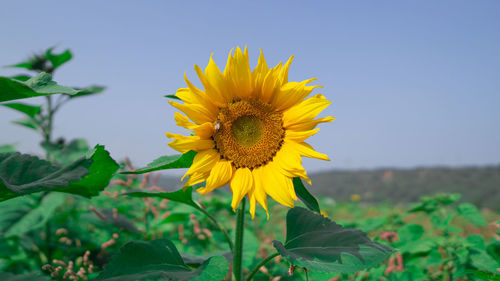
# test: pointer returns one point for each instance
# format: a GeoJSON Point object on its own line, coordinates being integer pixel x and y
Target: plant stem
{"type": "Point", "coordinates": [262, 263]}
{"type": "Point", "coordinates": [50, 114]}
{"type": "Point", "coordinates": [361, 275]}
{"type": "Point", "coordinates": [47, 134]}
{"type": "Point", "coordinates": [221, 228]}
{"type": "Point", "coordinates": [238, 241]}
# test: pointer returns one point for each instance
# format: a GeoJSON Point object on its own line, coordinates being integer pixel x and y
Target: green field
{"type": "Point", "coordinates": [439, 239]}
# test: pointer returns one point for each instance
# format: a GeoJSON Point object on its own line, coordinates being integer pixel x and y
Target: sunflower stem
{"type": "Point", "coordinates": [238, 242]}
{"type": "Point", "coordinates": [261, 264]}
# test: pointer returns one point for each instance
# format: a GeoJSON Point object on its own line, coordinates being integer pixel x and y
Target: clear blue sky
{"type": "Point", "coordinates": [413, 83]}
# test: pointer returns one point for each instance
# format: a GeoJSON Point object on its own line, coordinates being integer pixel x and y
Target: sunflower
{"type": "Point", "coordinates": [249, 129]}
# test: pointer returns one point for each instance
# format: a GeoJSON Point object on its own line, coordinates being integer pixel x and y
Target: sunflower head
{"type": "Point", "coordinates": [249, 129]}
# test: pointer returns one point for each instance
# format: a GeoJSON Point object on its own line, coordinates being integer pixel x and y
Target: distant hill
{"type": "Point", "coordinates": [478, 185]}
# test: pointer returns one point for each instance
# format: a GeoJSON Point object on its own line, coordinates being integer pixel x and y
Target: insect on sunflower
{"type": "Point", "coordinates": [249, 129]}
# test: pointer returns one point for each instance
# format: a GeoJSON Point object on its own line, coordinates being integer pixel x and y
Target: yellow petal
{"type": "Point", "coordinates": [292, 93]}
{"type": "Point", "coordinates": [271, 84]}
{"type": "Point", "coordinates": [284, 72]}
{"type": "Point", "coordinates": [252, 200]}
{"type": "Point", "coordinates": [310, 124]}
{"type": "Point", "coordinates": [290, 162]}
{"type": "Point", "coordinates": [299, 136]}
{"type": "Point", "coordinates": [238, 74]}
{"type": "Point", "coordinates": [305, 111]}
{"type": "Point", "coordinates": [228, 63]}
{"type": "Point", "coordinates": [220, 175]}
{"type": "Point", "coordinates": [241, 184]}
{"type": "Point", "coordinates": [216, 79]}
{"type": "Point", "coordinates": [205, 130]}
{"type": "Point", "coordinates": [184, 144]}
{"type": "Point", "coordinates": [307, 150]}
{"type": "Point", "coordinates": [183, 121]}
{"type": "Point", "coordinates": [211, 92]}
{"type": "Point", "coordinates": [258, 192]}
{"type": "Point", "coordinates": [195, 178]}
{"type": "Point", "coordinates": [276, 184]}
{"type": "Point", "coordinates": [198, 94]}
{"type": "Point", "coordinates": [187, 96]}
{"type": "Point", "coordinates": [203, 161]}
{"type": "Point", "coordinates": [260, 72]}
{"type": "Point", "coordinates": [196, 112]}
{"type": "Point", "coordinates": [193, 95]}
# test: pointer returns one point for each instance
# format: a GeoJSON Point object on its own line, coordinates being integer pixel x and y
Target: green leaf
{"type": "Point", "coordinates": [22, 174]}
{"type": "Point", "coordinates": [167, 162]}
{"type": "Point", "coordinates": [37, 216]}
{"type": "Point", "coordinates": [410, 232]}
{"type": "Point", "coordinates": [47, 61]}
{"type": "Point", "coordinates": [410, 273]}
{"type": "Point", "coordinates": [30, 110]}
{"type": "Point", "coordinates": [22, 78]}
{"type": "Point", "coordinates": [28, 122]}
{"type": "Point", "coordinates": [480, 259]}
{"type": "Point", "coordinates": [430, 204]}
{"type": "Point", "coordinates": [494, 249]}
{"type": "Point", "coordinates": [196, 260]}
{"type": "Point", "coordinates": [8, 148]}
{"type": "Point", "coordinates": [91, 90]}
{"type": "Point", "coordinates": [416, 247]}
{"type": "Point", "coordinates": [471, 213]}
{"type": "Point", "coordinates": [159, 260]}
{"type": "Point", "coordinates": [29, 65]}
{"type": "Point", "coordinates": [172, 97]}
{"type": "Point", "coordinates": [304, 195]}
{"type": "Point", "coordinates": [40, 85]}
{"type": "Point", "coordinates": [101, 170]}
{"type": "Point", "coordinates": [447, 198]}
{"type": "Point", "coordinates": [370, 224]}
{"type": "Point", "coordinates": [35, 276]}
{"type": "Point", "coordinates": [486, 276]}
{"type": "Point", "coordinates": [14, 210]}
{"type": "Point", "coordinates": [411, 241]}
{"type": "Point", "coordinates": [65, 154]}
{"type": "Point", "coordinates": [58, 59]}
{"type": "Point", "coordinates": [427, 207]}
{"type": "Point", "coordinates": [181, 196]}
{"type": "Point", "coordinates": [434, 258]}
{"type": "Point", "coordinates": [443, 222]}
{"type": "Point", "coordinates": [177, 217]}
{"type": "Point", "coordinates": [7, 248]}
{"type": "Point", "coordinates": [477, 241]}
{"type": "Point", "coordinates": [37, 62]}
{"type": "Point", "coordinates": [317, 243]}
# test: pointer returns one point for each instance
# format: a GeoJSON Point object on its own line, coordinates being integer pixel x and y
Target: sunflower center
{"type": "Point", "coordinates": [248, 133]}
{"type": "Point", "coordinates": [247, 130]}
